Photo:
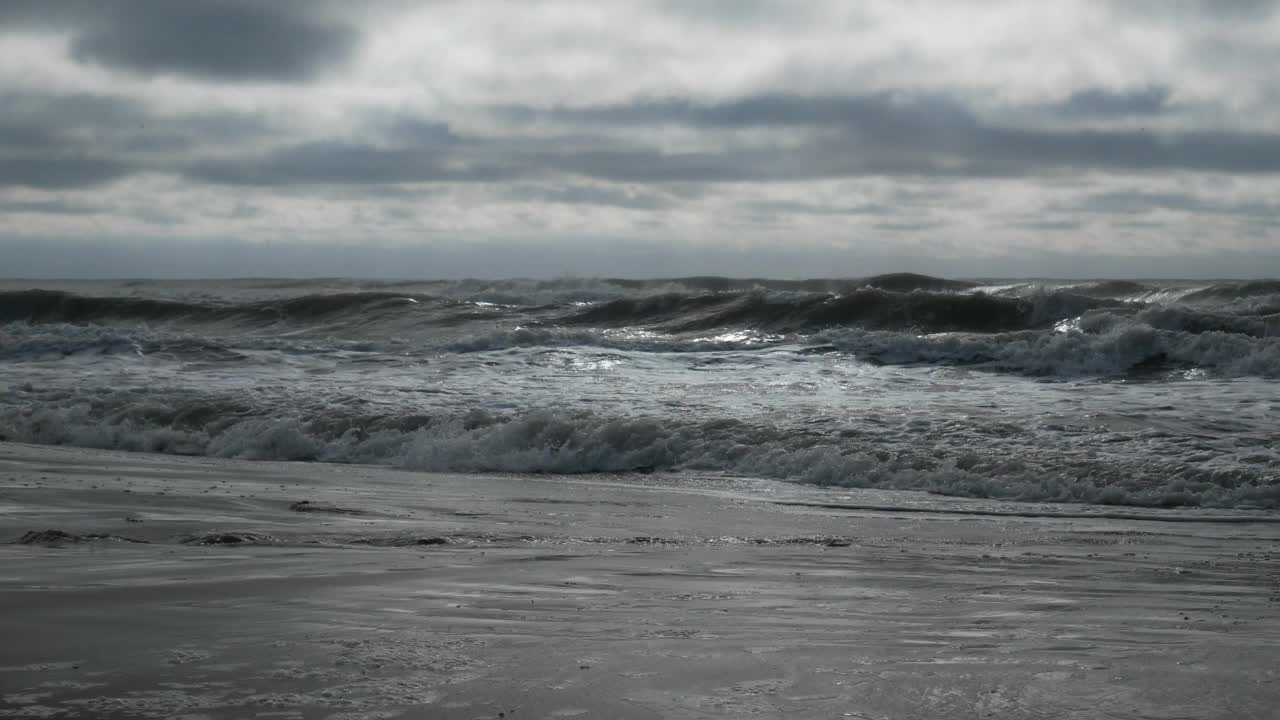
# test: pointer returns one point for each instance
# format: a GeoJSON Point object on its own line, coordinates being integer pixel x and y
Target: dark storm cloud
{"type": "Point", "coordinates": [338, 163]}
{"type": "Point", "coordinates": [419, 132]}
{"type": "Point", "coordinates": [116, 124]}
{"type": "Point", "coordinates": [34, 121]}
{"type": "Point", "coordinates": [182, 134]}
{"type": "Point", "coordinates": [829, 138]}
{"type": "Point", "coordinates": [46, 142]}
{"type": "Point", "coordinates": [231, 40]}
{"type": "Point", "coordinates": [486, 161]}
{"type": "Point", "coordinates": [48, 207]}
{"type": "Point", "coordinates": [1105, 103]}
{"type": "Point", "coordinates": [875, 114]}
{"type": "Point", "coordinates": [81, 140]}
{"type": "Point", "coordinates": [60, 172]}
{"type": "Point", "coordinates": [931, 139]}
{"type": "Point", "coordinates": [932, 135]}
{"type": "Point", "coordinates": [1135, 150]}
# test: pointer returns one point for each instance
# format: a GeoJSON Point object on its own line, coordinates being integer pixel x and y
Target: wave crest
{"type": "Point", "coordinates": [583, 442]}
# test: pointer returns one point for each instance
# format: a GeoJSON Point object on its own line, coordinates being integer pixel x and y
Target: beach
{"type": "Point", "coordinates": [644, 360]}
{"type": "Point", "coordinates": [178, 587]}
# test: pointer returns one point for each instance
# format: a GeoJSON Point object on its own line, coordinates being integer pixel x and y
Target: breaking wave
{"type": "Point", "coordinates": [1107, 342]}
{"type": "Point", "coordinates": [569, 442]}
{"type": "Point", "coordinates": [709, 374]}
{"type": "Point", "coordinates": [868, 308]}
{"type": "Point", "coordinates": [900, 302]}
{"type": "Point", "coordinates": [1236, 291]}
{"type": "Point", "coordinates": [334, 314]}
{"type": "Point", "coordinates": [1121, 349]}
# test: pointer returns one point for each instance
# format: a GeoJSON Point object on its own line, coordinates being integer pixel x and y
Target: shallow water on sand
{"type": "Point", "coordinates": [323, 591]}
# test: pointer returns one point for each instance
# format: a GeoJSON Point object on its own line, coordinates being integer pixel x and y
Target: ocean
{"type": "Point", "coordinates": [1151, 393]}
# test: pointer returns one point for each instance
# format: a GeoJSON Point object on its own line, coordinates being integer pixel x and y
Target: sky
{"type": "Point", "coordinates": [203, 138]}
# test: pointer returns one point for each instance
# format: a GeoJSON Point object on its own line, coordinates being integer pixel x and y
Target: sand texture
{"type": "Point", "coordinates": [140, 586]}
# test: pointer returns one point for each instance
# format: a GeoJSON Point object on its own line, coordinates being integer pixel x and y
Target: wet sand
{"type": "Point", "coordinates": [202, 588]}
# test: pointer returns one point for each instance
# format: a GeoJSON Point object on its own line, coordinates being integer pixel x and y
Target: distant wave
{"type": "Point", "coordinates": [880, 301]}
{"type": "Point", "coordinates": [770, 310]}
{"type": "Point", "coordinates": [897, 282]}
{"type": "Point", "coordinates": [535, 292]}
{"type": "Point", "coordinates": [1112, 289]}
{"type": "Point", "coordinates": [1118, 350]}
{"type": "Point", "coordinates": [1229, 329]}
{"type": "Point", "coordinates": [1237, 290]}
{"type": "Point", "coordinates": [1106, 341]}
{"type": "Point", "coordinates": [869, 308]}
{"type": "Point", "coordinates": [52, 306]}
{"type": "Point", "coordinates": [60, 306]}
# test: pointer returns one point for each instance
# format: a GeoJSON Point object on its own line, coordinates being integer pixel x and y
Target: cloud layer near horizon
{"type": "Point", "coordinates": [753, 133]}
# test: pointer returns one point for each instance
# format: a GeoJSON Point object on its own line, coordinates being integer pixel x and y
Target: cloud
{"type": "Point", "coordinates": [752, 121]}
{"type": "Point", "coordinates": [824, 137]}
{"type": "Point", "coordinates": [762, 138]}
{"type": "Point", "coordinates": [899, 134]}
{"type": "Point", "coordinates": [321, 162]}
{"type": "Point", "coordinates": [1138, 202]}
{"type": "Point", "coordinates": [1051, 225]}
{"type": "Point", "coordinates": [82, 140]}
{"type": "Point", "coordinates": [1197, 10]}
{"type": "Point", "coordinates": [225, 40]}
{"type": "Point", "coordinates": [629, 198]}
{"type": "Point", "coordinates": [791, 207]}
{"type": "Point", "coordinates": [39, 122]}
{"type": "Point", "coordinates": [341, 163]}
{"type": "Point", "coordinates": [879, 113]}
{"type": "Point", "coordinates": [908, 226]}
{"type": "Point", "coordinates": [56, 172]}
{"type": "Point", "coordinates": [48, 207]}
{"type": "Point", "coordinates": [1096, 102]}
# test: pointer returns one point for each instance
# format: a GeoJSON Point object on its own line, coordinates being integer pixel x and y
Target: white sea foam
{"type": "Point", "coordinates": [823, 382]}
{"type": "Point", "coordinates": [1121, 347]}
{"type": "Point", "coordinates": [583, 442]}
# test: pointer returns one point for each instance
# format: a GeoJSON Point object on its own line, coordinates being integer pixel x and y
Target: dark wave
{"type": "Point", "coordinates": [669, 307]}
{"type": "Point", "coordinates": [1235, 291]}
{"type": "Point", "coordinates": [896, 282]}
{"type": "Point", "coordinates": [59, 306]}
{"type": "Point", "coordinates": [1186, 320]}
{"type": "Point", "coordinates": [54, 306]}
{"type": "Point", "coordinates": [324, 306]}
{"type": "Point", "coordinates": [866, 308]}
{"type": "Point", "coordinates": [906, 282]}
{"type": "Point", "coordinates": [899, 302]}
{"type": "Point", "coordinates": [1113, 289]}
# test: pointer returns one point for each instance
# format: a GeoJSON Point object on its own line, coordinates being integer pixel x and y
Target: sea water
{"type": "Point", "coordinates": [1154, 393]}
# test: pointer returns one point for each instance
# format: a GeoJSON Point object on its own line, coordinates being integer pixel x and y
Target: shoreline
{"type": "Point", "coordinates": [362, 592]}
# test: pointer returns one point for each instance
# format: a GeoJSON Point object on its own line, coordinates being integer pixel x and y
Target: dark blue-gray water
{"type": "Point", "coordinates": [1141, 393]}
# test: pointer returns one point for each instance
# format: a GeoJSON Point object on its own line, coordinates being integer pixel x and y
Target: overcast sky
{"type": "Point", "coordinates": [639, 137]}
